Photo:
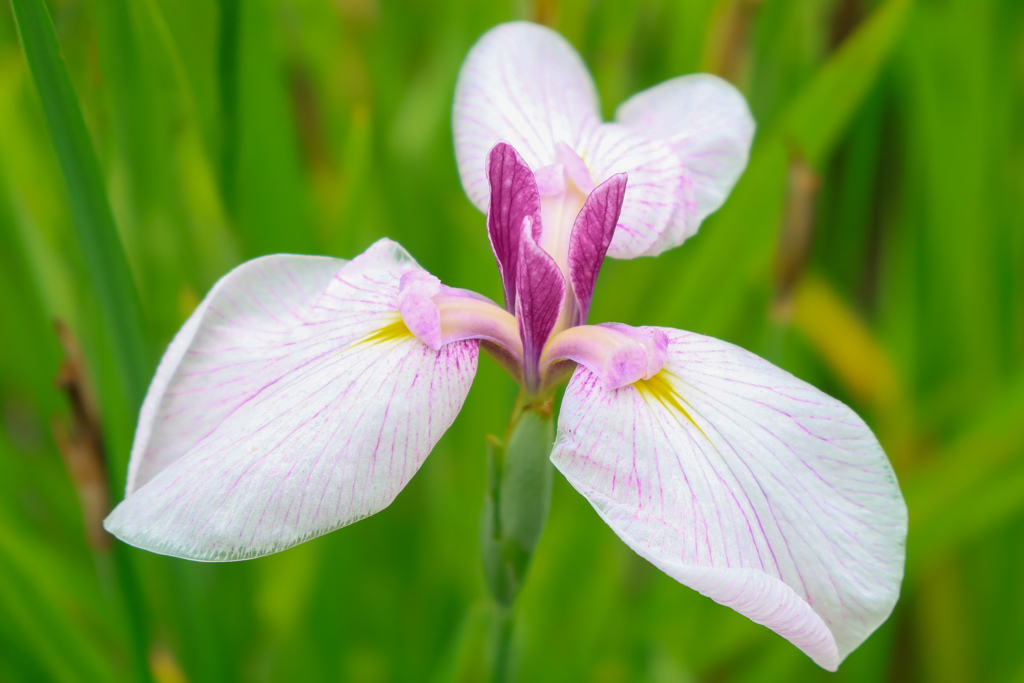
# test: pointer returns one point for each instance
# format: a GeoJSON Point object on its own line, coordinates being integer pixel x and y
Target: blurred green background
{"type": "Point", "coordinates": [875, 247]}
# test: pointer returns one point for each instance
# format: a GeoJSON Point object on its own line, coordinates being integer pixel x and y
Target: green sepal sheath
{"type": "Point", "coordinates": [518, 498]}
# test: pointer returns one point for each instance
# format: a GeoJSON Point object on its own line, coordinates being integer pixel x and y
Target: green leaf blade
{"type": "Point", "coordinates": [93, 220]}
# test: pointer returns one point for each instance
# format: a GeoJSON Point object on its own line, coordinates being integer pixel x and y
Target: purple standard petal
{"type": "Point", "coordinates": [295, 401]}
{"type": "Point", "coordinates": [591, 234]}
{"type": "Point", "coordinates": [540, 292]}
{"type": "Point", "coordinates": [514, 197]}
{"type": "Point", "coordinates": [746, 484]}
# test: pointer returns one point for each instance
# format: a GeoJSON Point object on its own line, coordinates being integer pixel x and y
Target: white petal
{"type": "Point", "coordinates": [294, 402]}
{"type": "Point", "coordinates": [275, 289]}
{"type": "Point", "coordinates": [746, 484]}
{"type": "Point", "coordinates": [656, 186]}
{"type": "Point", "coordinates": [708, 126]}
{"type": "Point", "coordinates": [523, 84]}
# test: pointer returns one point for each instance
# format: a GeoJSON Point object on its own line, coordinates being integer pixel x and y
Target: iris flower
{"type": "Point", "coordinates": [305, 392]}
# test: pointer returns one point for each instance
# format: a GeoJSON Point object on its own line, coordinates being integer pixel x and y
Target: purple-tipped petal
{"type": "Point", "coordinates": [746, 484]}
{"type": "Point", "coordinates": [540, 292]}
{"type": "Point", "coordinates": [514, 197]}
{"type": "Point", "coordinates": [591, 234]}
{"type": "Point", "coordinates": [707, 124]}
{"type": "Point", "coordinates": [295, 401]}
{"type": "Point", "coordinates": [523, 84]}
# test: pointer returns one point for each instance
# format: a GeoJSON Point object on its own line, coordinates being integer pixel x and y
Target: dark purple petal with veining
{"type": "Point", "coordinates": [591, 234]}
{"type": "Point", "coordinates": [514, 197]}
{"type": "Point", "coordinates": [540, 290]}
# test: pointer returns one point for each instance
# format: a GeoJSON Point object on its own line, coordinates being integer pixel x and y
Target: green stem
{"type": "Point", "coordinates": [501, 642]}
{"type": "Point", "coordinates": [515, 511]}
{"type": "Point", "coordinates": [93, 221]}
{"type": "Point", "coordinates": [518, 498]}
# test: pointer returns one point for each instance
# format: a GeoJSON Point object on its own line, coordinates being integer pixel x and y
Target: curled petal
{"type": "Point", "coordinates": [618, 354]}
{"type": "Point", "coordinates": [295, 401]}
{"type": "Point", "coordinates": [525, 85]}
{"type": "Point", "coordinates": [468, 315]}
{"type": "Point", "coordinates": [707, 124]}
{"type": "Point", "coordinates": [683, 143]}
{"type": "Point", "coordinates": [746, 484]}
{"type": "Point", "coordinates": [654, 341]}
{"type": "Point", "coordinates": [416, 290]}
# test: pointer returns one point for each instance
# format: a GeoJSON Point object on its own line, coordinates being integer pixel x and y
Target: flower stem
{"type": "Point", "coordinates": [501, 642]}
{"type": "Point", "coordinates": [515, 510]}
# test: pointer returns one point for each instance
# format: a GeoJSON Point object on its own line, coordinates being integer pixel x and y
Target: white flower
{"type": "Point", "coordinates": [305, 392]}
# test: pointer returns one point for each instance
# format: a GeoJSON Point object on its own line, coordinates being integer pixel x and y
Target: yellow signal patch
{"type": "Point", "coordinates": [658, 388]}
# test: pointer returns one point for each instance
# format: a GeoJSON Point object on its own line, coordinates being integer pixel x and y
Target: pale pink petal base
{"type": "Point", "coordinates": [282, 413]}
{"type": "Point", "coordinates": [746, 484]}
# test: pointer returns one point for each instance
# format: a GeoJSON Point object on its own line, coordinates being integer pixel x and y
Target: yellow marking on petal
{"type": "Point", "coordinates": [659, 389]}
{"type": "Point", "coordinates": [393, 331]}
